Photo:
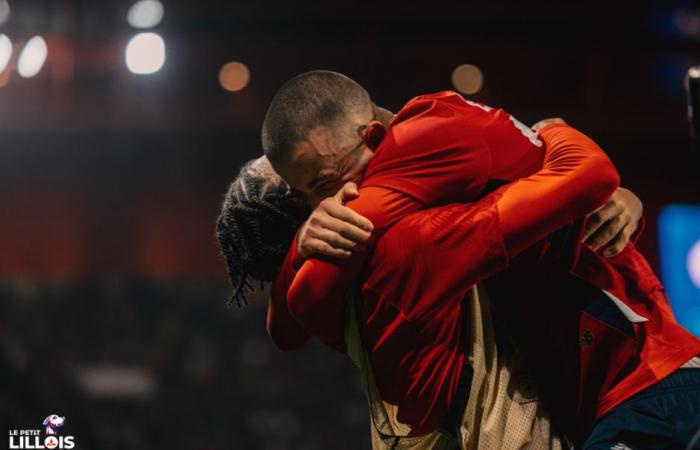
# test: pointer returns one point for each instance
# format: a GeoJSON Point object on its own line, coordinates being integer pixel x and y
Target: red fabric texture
{"type": "Point", "coordinates": [439, 150]}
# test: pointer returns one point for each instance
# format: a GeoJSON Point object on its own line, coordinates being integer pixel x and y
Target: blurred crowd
{"type": "Point", "coordinates": [204, 376]}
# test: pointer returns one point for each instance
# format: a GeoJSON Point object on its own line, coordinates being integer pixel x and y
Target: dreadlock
{"type": "Point", "coordinates": [259, 218]}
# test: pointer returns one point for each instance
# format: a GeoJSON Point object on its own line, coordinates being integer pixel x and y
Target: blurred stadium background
{"type": "Point", "coordinates": [116, 148]}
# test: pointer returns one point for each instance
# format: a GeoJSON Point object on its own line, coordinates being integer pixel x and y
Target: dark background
{"type": "Point", "coordinates": [110, 183]}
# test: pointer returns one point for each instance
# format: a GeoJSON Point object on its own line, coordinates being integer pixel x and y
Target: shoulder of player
{"type": "Point", "coordinates": [429, 104]}
{"type": "Point", "coordinates": [443, 100]}
{"type": "Point", "coordinates": [442, 111]}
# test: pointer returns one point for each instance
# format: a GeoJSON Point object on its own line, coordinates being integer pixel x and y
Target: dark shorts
{"type": "Point", "coordinates": [665, 416]}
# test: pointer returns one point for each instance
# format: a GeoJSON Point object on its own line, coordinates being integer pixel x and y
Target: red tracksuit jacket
{"type": "Point", "coordinates": [552, 297]}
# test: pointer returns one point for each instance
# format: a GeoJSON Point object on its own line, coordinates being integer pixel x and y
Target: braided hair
{"type": "Point", "coordinates": [259, 218]}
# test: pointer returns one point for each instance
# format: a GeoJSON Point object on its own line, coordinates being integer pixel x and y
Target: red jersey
{"type": "Point", "coordinates": [438, 149]}
{"type": "Point", "coordinates": [409, 301]}
{"type": "Point", "coordinates": [594, 331]}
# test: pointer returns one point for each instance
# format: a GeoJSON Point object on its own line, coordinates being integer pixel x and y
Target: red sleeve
{"type": "Point", "coordinates": [317, 296]}
{"type": "Point", "coordinates": [577, 177]}
{"type": "Point", "coordinates": [461, 245]}
{"type": "Point", "coordinates": [281, 326]}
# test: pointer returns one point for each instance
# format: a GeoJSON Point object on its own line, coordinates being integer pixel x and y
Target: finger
{"type": "Point", "coordinates": [349, 191]}
{"type": "Point", "coordinates": [334, 239]}
{"type": "Point", "coordinates": [607, 232]}
{"type": "Point", "coordinates": [324, 221]}
{"type": "Point", "coordinates": [342, 212]}
{"type": "Point", "coordinates": [345, 229]}
{"type": "Point", "coordinates": [618, 243]}
{"type": "Point", "coordinates": [599, 217]}
{"type": "Point", "coordinates": [318, 247]}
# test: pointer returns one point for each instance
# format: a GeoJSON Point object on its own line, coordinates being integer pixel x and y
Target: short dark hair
{"type": "Point", "coordinates": [259, 218]}
{"type": "Point", "coordinates": [312, 99]}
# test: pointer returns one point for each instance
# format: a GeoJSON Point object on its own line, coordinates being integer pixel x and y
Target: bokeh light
{"type": "Point", "coordinates": [32, 58]}
{"type": "Point", "coordinates": [145, 53]}
{"type": "Point", "coordinates": [694, 72]}
{"type": "Point", "coordinates": [5, 51]}
{"type": "Point", "coordinates": [467, 79]}
{"type": "Point", "coordinates": [145, 14]}
{"type": "Point", "coordinates": [234, 76]}
{"type": "Point", "coordinates": [4, 11]}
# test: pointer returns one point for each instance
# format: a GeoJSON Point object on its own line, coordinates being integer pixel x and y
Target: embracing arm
{"type": "Point", "coordinates": [576, 178]}
{"type": "Point", "coordinates": [314, 296]}
{"type": "Point", "coordinates": [281, 326]}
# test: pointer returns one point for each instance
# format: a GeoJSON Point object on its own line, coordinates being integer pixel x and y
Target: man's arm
{"type": "Point", "coordinates": [463, 244]}
{"type": "Point", "coordinates": [317, 296]}
{"type": "Point", "coordinates": [576, 178]}
{"type": "Point", "coordinates": [609, 228]}
{"type": "Point", "coordinates": [434, 154]}
{"type": "Point", "coordinates": [333, 230]}
{"type": "Point", "coordinates": [281, 326]}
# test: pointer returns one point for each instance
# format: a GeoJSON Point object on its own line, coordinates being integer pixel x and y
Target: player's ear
{"type": "Point", "coordinates": [374, 134]}
{"type": "Point", "coordinates": [46, 421]}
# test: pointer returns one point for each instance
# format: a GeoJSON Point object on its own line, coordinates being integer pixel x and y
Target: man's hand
{"type": "Point", "coordinates": [610, 227]}
{"type": "Point", "coordinates": [333, 229]}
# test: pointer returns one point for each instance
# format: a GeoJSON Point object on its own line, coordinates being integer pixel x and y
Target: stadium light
{"type": "Point", "coordinates": [145, 53]}
{"type": "Point", "coordinates": [32, 58]}
{"type": "Point", "coordinates": [145, 14]}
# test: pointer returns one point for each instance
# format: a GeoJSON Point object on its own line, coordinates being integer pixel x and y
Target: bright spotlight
{"type": "Point", "coordinates": [467, 79]}
{"type": "Point", "coordinates": [234, 76]}
{"type": "Point", "coordinates": [145, 14]}
{"type": "Point", "coordinates": [145, 53]}
{"type": "Point", "coordinates": [32, 58]}
{"type": "Point", "coordinates": [5, 51]}
{"type": "Point", "coordinates": [4, 11]}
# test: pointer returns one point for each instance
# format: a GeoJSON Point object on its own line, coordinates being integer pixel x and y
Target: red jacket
{"type": "Point", "coordinates": [594, 331]}
{"type": "Point", "coordinates": [438, 149]}
{"type": "Point", "coordinates": [410, 299]}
